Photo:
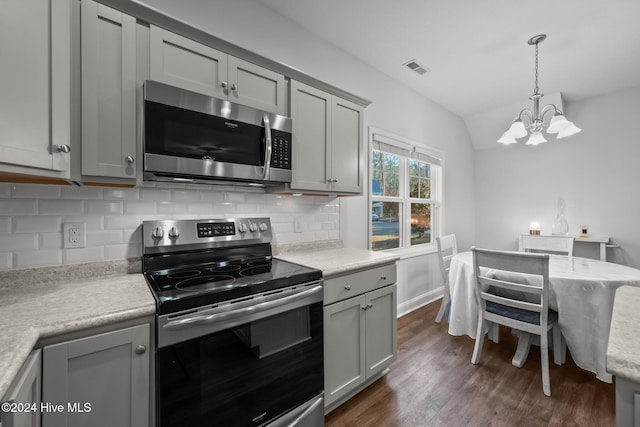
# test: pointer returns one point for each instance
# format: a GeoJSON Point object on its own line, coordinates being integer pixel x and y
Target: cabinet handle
{"type": "Point", "coordinates": [224, 84]}
{"type": "Point", "coordinates": [141, 349]}
{"type": "Point", "coordinates": [364, 307]}
{"type": "Point", "coordinates": [234, 86]}
{"type": "Point", "coordinates": [332, 180]}
{"type": "Point", "coordinates": [369, 305]}
{"type": "Point", "coordinates": [347, 287]}
{"type": "Point", "coordinates": [61, 148]}
{"type": "Point", "coordinates": [129, 159]}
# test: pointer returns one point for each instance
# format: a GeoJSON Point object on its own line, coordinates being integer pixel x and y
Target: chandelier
{"type": "Point", "coordinates": [535, 120]}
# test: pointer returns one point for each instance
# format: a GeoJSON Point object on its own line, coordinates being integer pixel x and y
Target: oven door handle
{"type": "Point", "coordinates": [268, 146]}
{"type": "Point", "coordinates": [189, 322]}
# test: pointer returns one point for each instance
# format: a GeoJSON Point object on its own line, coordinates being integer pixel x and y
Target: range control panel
{"type": "Point", "coordinates": [187, 234]}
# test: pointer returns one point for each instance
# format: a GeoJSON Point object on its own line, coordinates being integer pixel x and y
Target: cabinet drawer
{"type": "Point", "coordinates": [349, 285]}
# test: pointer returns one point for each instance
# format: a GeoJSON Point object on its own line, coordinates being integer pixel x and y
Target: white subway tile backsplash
{"type": "Point", "coordinates": [6, 260]}
{"type": "Point", "coordinates": [5, 225]}
{"type": "Point", "coordinates": [31, 218]}
{"type": "Point", "coordinates": [120, 194]}
{"type": "Point", "coordinates": [40, 258]}
{"type": "Point", "coordinates": [102, 207]}
{"type": "Point", "coordinates": [60, 207]}
{"type": "Point", "coordinates": [19, 241]}
{"type": "Point", "coordinates": [35, 191]}
{"type": "Point", "coordinates": [78, 255]}
{"type": "Point", "coordinates": [84, 193]}
{"type": "Point", "coordinates": [31, 224]}
{"type": "Point", "coordinates": [18, 207]}
{"type": "Point", "coordinates": [121, 221]}
{"type": "Point", "coordinates": [101, 238]}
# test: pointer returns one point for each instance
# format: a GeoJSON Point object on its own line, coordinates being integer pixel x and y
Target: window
{"type": "Point", "coordinates": [405, 191]}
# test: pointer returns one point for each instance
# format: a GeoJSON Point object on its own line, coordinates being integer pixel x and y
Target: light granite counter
{"type": "Point", "coordinates": [623, 350]}
{"type": "Point", "coordinates": [334, 260]}
{"type": "Point", "coordinates": [52, 306]}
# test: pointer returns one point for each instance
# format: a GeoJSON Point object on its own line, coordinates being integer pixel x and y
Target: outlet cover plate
{"type": "Point", "coordinates": [74, 235]}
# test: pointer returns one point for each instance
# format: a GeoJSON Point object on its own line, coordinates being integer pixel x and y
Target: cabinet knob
{"type": "Point", "coordinates": [62, 148]}
{"type": "Point", "coordinates": [369, 305]}
{"type": "Point", "coordinates": [347, 287]}
{"type": "Point", "coordinates": [224, 84]}
{"type": "Point", "coordinates": [383, 277]}
{"type": "Point", "coordinates": [141, 349]}
{"type": "Point", "coordinates": [364, 307]}
{"type": "Point", "coordinates": [234, 86]}
{"type": "Point", "coordinates": [129, 159]}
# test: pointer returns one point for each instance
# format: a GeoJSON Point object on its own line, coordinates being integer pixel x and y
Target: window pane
{"type": "Point", "coordinates": [386, 174]}
{"type": "Point", "coordinates": [419, 179]}
{"type": "Point", "coordinates": [385, 225]}
{"type": "Point", "coordinates": [420, 223]}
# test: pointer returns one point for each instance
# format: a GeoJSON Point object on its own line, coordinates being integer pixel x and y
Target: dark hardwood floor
{"type": "Point", "coordinates": [433, 383]}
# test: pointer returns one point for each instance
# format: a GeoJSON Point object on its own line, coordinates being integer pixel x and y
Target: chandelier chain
{"type": "Point", "coordinates": [535, 89]}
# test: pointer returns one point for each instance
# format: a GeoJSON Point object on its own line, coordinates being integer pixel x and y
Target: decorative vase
{"type": "Point", "coordinates": [560, 225]}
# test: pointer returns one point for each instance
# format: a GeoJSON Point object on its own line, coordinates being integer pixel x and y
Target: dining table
{"type": "Point", "coordinates": [581, 290]}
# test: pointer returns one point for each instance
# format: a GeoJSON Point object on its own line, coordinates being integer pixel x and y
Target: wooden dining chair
{"type": "Point", "coordinates": [546, 244]}
{"type": "Point", "coordinates": [447, 248]}
{"type": "Point", "coordinates": [512, 289]}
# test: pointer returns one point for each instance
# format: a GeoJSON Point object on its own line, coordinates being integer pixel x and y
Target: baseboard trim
{"type": "Point", "coordinates": [420, 301]}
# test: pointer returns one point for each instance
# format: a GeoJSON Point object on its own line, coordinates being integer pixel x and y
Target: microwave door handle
{"type": "Point", "coordinates": [268, 148]}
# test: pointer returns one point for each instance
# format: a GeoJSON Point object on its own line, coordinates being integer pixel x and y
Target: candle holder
{"type": "Point", "coordinates": [584, 231]}
{"type": "Point", "coordinates": [534, 228]}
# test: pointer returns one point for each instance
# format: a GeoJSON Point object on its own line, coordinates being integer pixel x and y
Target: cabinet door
{"type": "Point", "coordinates": [346, 146]}
{"type": "Point", "coordinates": [109, 371]}
{"type": "Point", "coordinates": [344, 358]}
{"type": "Point", "coordinates": [108, 45]}
{"type": "Point", "coordinates": [184, 63]}
{"type": "Point", "coordinates": [311, 128]}
{"type": "Point", "coordinates": [255, 86]}
{"type": "Point", "coordinates": [35, 49]}
{"type": "Point", "coordinates": [381, 329]}
{"type": "Point", "coordinates": [26, 388]}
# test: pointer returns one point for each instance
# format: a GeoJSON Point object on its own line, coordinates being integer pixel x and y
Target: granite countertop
{"type": "Point", "coordinates": [32, 309]}
{"type": "Point", "coordinates": [334, 259]}
{"type": "Point", "coordinates": [623, 350]}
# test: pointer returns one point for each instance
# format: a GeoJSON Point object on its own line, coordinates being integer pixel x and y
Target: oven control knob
{"type": "Point", "coordinates": [253, 227]}
{"type": "Point", "coordinates": [158, 233]}
{"type": "Point", "coordinates": [174, 233]}
{"type": "Point", "coordinates": [242, 228]}
{"type": "Point", "coordinates": [263, 226]}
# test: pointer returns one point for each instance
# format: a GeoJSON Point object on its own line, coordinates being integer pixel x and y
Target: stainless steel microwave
{"type": "Point", "coordinates": [191, 137]}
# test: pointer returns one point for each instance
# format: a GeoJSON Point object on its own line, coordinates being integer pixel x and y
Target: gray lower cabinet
{"type": "Point", "coordinates": [35, 52]}
{"type": "Point", "coordinates": [360, 332]}
{"type": "Point", "coordinates": [108, 63]}
{"type": "Point", "coordinates": [627, 403]}
{"type": "Point", "coordinates": [25, 391]}
{"type": "Point", "coordinates": [101, 380]}
{"type": "Point", "coordinates": [327, 142]}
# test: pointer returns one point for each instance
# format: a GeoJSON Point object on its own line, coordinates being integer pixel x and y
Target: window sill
{"type": "Point", "coordinates": [406, 253]}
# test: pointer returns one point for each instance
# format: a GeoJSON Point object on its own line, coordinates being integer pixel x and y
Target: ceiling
{"type": "Point", "coordinates": [481, 67]}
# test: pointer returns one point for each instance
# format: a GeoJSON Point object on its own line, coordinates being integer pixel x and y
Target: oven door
{"type": "Point", "coordinates": [243, 363]}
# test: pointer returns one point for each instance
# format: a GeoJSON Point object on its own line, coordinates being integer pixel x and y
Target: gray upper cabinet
{"type": "Point", "coordinates": [108, 52]}
{"type": "Point", "coordinates": [327, 142]}
{"type": "Point", "coordinates": [109, 371]}
{"type": "Point", "coordinates": [25, 389]}
{"type": "Point", "coordinates": [35, 51]}
{"type": "Point", "coordinates": [184, 63]}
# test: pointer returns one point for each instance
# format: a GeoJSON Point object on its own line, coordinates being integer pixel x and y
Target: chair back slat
{"type": "Point", "coordinates": [515, 303]}
{"type": "Point", "coordinates": [519, 287]}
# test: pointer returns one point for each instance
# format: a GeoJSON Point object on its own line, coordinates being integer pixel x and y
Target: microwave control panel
{"type": "Point", "coordinates": [281, 150]}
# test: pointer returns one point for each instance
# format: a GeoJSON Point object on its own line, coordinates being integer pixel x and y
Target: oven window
{"type": "Point", "coordinates": [246, 375]}
{"type": "Point", "coordinates": [172, 131]}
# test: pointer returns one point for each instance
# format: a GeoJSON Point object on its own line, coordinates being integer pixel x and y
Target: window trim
{"type": "Point", "coordinates": [409, 149]}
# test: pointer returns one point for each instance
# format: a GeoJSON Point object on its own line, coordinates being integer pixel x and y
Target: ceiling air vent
{"type": "Point", "coordinates": [415, 66]}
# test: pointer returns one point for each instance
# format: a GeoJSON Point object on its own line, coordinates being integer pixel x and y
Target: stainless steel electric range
{"type": "Point", "coordinates": [239, 332]}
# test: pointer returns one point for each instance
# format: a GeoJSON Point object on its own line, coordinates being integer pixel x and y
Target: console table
{"type": "Point", "coordinates": [603, 241]}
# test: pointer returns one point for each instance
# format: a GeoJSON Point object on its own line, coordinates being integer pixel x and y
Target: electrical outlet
{"type": "Point", "coordinates": [74, 235]}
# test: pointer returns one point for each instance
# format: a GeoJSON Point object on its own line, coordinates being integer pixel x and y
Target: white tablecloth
{"type": "Point", "coordinates": [582, 291]}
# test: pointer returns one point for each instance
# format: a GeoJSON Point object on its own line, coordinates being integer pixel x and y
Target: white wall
{"type": "Point", "coordinates": [597, 172]}
{"type": "Point", "coordinates": [394, 108]}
